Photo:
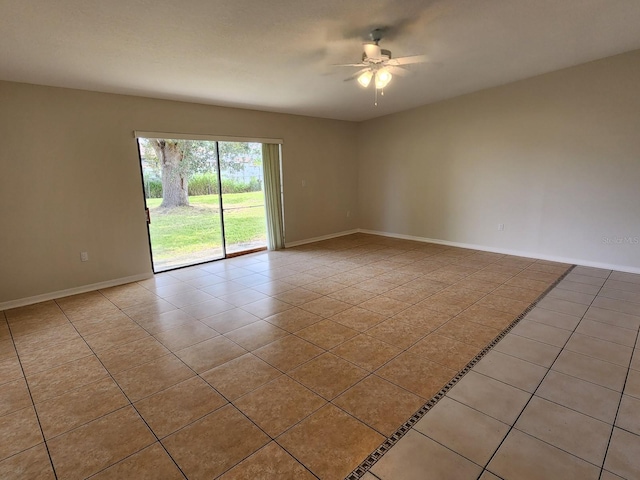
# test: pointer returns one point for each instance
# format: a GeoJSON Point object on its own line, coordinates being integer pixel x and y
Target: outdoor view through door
{"type": "Point", "coordinates": [191, 222]}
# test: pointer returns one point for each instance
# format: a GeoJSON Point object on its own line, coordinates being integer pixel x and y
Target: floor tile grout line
{"type": "Point", "coordinates": [130, 404]}
{"type": "Point", "coordinates": [368, 463]}
{"type": "Point", "coordinates": [533, 394]}
{"type": "Point", "coordinates": [615, 419]}
{"type": "Point", "coordinates": [33, 405]}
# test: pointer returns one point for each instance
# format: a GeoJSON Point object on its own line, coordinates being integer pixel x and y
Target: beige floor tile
{"type": "Point", "coordinates": [230, 320]}
{"type": "Point", "coordinates": [384, 306]}
{"type": "Point", "coordinates": [45, 359]}
{"type": "Point", "coordinates": [616, 305]}
{"type": "Point", "coordinates": [325, 306]}
{"type": "Point", "coordinates": [416, 374]}
{"type": "Point", "coordinates": [243, 297]}
{"type": "Point", "coordinates": [502, 304]}
{"type": "Point", "coordinates": [416, 457]}
{"type": "Point", "coordinates": [609, 476]}
{"type": "Point", "coordinates": [132, 354]}
{"type": "Point", "coordinates": [628, 417]}
{"type": "Point", "coordinates": [10, 370]}
{"type": "Point", "coordinates": [623, 455]}
{"type": "Point", "coordinates": [591, 369]}
{"type": "Point", "coordinates": [610, 333]}
{"type": "Point", "coordinates": [275, 287]}
{"type": "Point", "coordinates": [149, 378]}
{"type": "Point", "coordinates": [188, 298]}
{"type": "Point", "coordinates": [96, 445]}
{"type": "Point", "coordinates": [578, 287]}
{"type": "Point", "coordinates": [152, 463]}
{"type": "Point", "coordinates": [511, 370]}
{"type": "Point", "coordinates": [32, 464]}
{"type": "Point", "coordinates": [398, 333]}
{"type": "Point", "coordinates": [330, 443]}
{"type": "Point", "coordinates": [357, 318]}
{"type": "Point", "coordinates": [444, 350]}
{"type": "Point", "coordinates": [571, 296]}
{"type": "Point", "coordinates": [601, 349]}
{"type": "Point", "coordinates": [288, 352]}
{"type": "Point", "coordinates": [256, 335]}
{"type": "Point", "coordinates": [56, 381]}
{"type": "Point", "coordinates": [571, 431]}
{"type": "Point", "coordinates": [202, 453]}
{"type": "Point", "coordinates": [517, 293]}
{"type": "Point", "coordinates": [613, 318]}
{"type": "Point", "coordinates": [113, 337]}
{"type": "Point", "coordinates": [530, 350]}
{"type": "Point", "coordinates": [46, 338]}
{"type": "Point", "coordinates": [185, 335]}
{"type": "Point", "coordinates": [328, 375]}
{"type": "Point", "coordinates": [487, 395]}
{"type": "Point", "coordinates": [38, 325]}
{"type": "Point", "coordinates": [563, 306]}
{"type": "Point", "coordinates": [210, 353]}
{"type": "Point", "coordinates": [160, 322]}
{"type": "Point", "coordinates": [297, 296]}
{"type": "Point", "coordinates": [293, 319]}
{"type": "Point", "coordinates": [77, 407]}
{"type": "Point", "coordinates": [208, 308]}
{"type": "Point", "coordinates": [582, 396]}
{"type": "Point", "coordinates": [173, 408]}
{"type": "Point", "coordinates": [266, 307]}
{"type": "Point", "coordinates": [19, 431]}
{"type": "Point", "coordinates": [632, 387]}
{"type": "Point", "coordinates": [588, 279]}
{"type": "Point", "coordinates": [633, 297]}
{"type": "Point", "coordinates": [324, 287]}
{"type": "Point", "coordinates": [352, 295]}
{"type": "Point", "coordinates": [487, 317]}
{"type": "Point", "coordinates": [468, 332]}
{"type": "Point", "coordinates": [240, 376]}
{"type": "Point", "coordinates": [326, 334]}
{"type": "Point", "coordinates": [524, 457]}
{"type": "Point", "coordinates": [406, 294]}
{"type": "Point", "coordinates": [101, 322]}
{"type": "Point", "coordinates": [542, 333]}
{"type": "Point", "coordinates": [487, 475]}
{"type": "Point", "coordinates": [270, 461]}
{"type": "Point", "coordinates": [466, 431]}
{"type": "Point", "coordinates": [553, 319]}
{"type": "Point", "coordinates": [146, 310]}
{"type": "Point", "coordinates": [279, 405]}
{"type": "Point", "coordinates": [14, 396]}
{"type": "Point", "coordinates": [379, 404]}
{"type": "Point", "coordinates": [366, 352]}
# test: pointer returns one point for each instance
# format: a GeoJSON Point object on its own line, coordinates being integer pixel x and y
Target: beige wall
{"type": "Point", "coordinates": [555, 158]}
{"type": "Point", "coordinates": [70, 180]}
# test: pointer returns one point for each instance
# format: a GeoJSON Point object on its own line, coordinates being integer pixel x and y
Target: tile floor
{"type": "Point", "coordinates": [298, 364]}
{"type": "Point", "coordinates": [557, 398]}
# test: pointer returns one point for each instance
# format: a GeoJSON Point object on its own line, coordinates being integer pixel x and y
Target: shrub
{"type": "Point", "coordinates": [152, 186]}
{"type": "Point", "coordinates": [203, 184]}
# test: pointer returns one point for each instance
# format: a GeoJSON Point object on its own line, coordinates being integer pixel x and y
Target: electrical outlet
{"type": "Point", "coordinates": [84, 256]}
{"type": "Point", "coordinates": [304, 183]}
{"type": "Point", "coordinates": [501, 227]}
{"type": "Point", "coordinates": [348, 213]}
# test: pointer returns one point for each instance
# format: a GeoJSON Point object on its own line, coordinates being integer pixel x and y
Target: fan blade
{"type": "Point", "coordinates": [399, 71]}
{"type": "Point", "coordinates": [355, 75]}
{"type": "Point", "coordinates": [372, 51]}
{"type": "Point", "coordinates": [407, 60]}
{"type": "Point", "coordinates": [350, 65]}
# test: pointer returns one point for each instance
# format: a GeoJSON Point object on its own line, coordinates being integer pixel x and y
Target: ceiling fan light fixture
{"type": "Point", "coordinates": [383, 77]}
{"type": "Point", "coordinates": [365, 78]}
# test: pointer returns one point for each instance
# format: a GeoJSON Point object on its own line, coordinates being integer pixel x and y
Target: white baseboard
{"type": "Point", "coordinates": [21, 302]}
{"type": "Point", "coordinates": [319, 239]}
{"type": "Point", "coordinates": [519, 253]}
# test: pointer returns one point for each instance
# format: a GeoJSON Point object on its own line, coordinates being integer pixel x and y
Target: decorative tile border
{"type": "Point", "coordinates": [371, 460]}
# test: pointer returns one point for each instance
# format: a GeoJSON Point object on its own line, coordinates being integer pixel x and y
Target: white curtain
{"type": "Point", "coordinates": [273, 195]}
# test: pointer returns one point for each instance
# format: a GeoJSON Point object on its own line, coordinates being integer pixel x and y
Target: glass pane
{"type": "Point", "coordinates": [181, 189]}
{"type": "Point", "coordinates": [245, 226]}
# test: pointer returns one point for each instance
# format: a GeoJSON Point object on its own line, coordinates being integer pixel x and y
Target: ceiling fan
{"type": "Point", "coordinates": [378, 65]}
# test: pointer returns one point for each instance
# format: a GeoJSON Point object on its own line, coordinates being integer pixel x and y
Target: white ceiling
{"type": "Point", "coordinates": [277, 55]}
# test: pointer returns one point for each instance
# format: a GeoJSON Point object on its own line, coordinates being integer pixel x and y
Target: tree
{"type": "Point", "coordinates": [175, 174]}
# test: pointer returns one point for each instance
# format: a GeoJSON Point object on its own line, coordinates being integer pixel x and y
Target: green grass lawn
{"type": "Point", "coordinates": [183, 230]}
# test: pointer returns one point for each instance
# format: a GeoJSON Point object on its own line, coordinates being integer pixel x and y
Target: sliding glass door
{"type": "Point", "coordinates": [204, 199]}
